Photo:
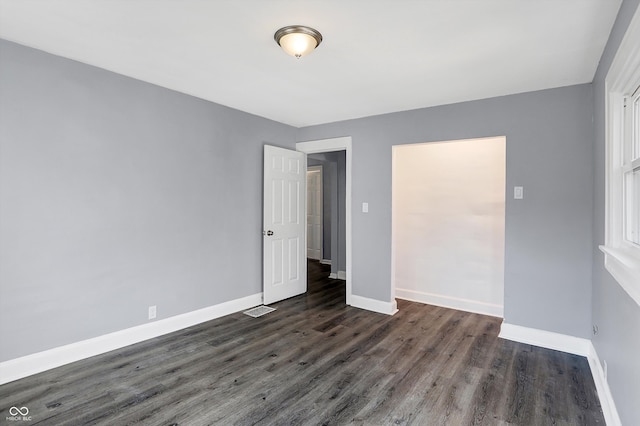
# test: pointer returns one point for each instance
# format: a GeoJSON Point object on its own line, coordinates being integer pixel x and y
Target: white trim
{"type": "Point", "coordinates": [333, 276]}
{"type": "Point", "coordinates": [18, 368]}
{"type": "Point", "coordinates": [324, 145]}
{"type": "Point", "coordinates": [625, 68]}
{"type": "Point", "coordinates": [572, 345]}
{"type": "Point", "coordinates": [621, 258]}
{"type": "Point", "coordinates": [388, 308]}
{"type": "Point", "coordinates": [325, 261]}
{"type": "Point", "coordinates": [460, 304]}
{"type": "Point", "coordinates": [545, 339]}
{"type": "Point", "coordinates": [624, 268]}
{"type": "Point", "coordinates": [607, 404]}
{"type": "Point", "coordinates": [330, 145]}
{"type": "Point", "coordinates": [342, 275]}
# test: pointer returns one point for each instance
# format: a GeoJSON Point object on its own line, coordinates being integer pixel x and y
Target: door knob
{"type": "Point", "coordinates": [269, 232]}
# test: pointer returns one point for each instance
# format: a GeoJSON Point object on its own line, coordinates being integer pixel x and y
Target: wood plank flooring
{"type": "Point", "coordinates": [316, 361]}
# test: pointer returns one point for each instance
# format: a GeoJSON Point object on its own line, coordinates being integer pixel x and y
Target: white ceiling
{"type": "Point", "coordinates": [377, 56]}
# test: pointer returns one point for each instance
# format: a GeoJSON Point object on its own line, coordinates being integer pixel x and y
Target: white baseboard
{"type": "Point", "coordinates": [545, 339]}
{"type": "Point", "coordinates": [572, 345]}
{"type": "Point", "coordinates": [18, 368]}
{"type": "Point", "coordinates": [374, 305]}
{"type": "Point", "coordinates": [325, 261]}
{"type": "Point", "coordinates": [609, 410]}
{"type": "Point", "coordinates": [341, 275]}
{"type": "Point", "coordinates": [451, 302]}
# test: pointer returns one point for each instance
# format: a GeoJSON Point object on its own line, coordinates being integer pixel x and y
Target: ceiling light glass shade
{"type": "Point", "coordinates": [298, 40]}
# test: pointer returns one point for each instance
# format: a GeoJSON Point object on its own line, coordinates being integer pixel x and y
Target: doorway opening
{"type": "Point", "coordinates": [448, 209]}
{"type": "Point", "coordinates": [334, 155]}
{"type": "Point", "coordinates": [326, 204]}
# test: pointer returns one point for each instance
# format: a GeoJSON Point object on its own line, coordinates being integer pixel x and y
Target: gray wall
{"type": "Point", "coordinates": [117, 195]}
{"type": "Point", "coordinates": [614, 312]}
{"type": "Point", "coordinates": [548, 234]}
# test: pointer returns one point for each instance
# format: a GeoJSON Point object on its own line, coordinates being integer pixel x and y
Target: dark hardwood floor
{"type": "Point", "coordinates": [316, 361]}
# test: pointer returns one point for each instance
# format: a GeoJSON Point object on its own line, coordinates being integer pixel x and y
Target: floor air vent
{"type": "Point", "coordinates": [259, 311]}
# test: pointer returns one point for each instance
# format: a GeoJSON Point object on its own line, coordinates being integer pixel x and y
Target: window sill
{"type": "Point", "coordinates": [624, 265]}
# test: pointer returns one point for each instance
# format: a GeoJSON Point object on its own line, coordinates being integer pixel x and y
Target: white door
{"type": "Point", "coordinates": [284, 242]}
{"type": "Point", "coordinates": [314, 212]}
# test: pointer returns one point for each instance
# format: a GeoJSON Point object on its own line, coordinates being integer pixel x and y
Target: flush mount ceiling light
{"type": "Point", "coordinates": [298, 40]}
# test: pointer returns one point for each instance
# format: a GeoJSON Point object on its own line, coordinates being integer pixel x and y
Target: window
{"type": "Point", "coordinates": [622, 239]}
{"type": "Point", "coordinates": [631, 167]}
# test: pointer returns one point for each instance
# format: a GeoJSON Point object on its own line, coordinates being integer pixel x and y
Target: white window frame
{"type": "Point", "coordinates": [622, 257]}
{"type": "Point", "coordinates": [631, 166]}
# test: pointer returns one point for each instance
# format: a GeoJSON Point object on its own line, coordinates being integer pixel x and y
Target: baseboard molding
{"type": "Point", "coordinates": [325, 261]}
{"type": "Point", "coordinates": [609, 410]}
{"type": "Point", "coordinates": [38, 362]}
{"type": "Point", "coordinates": [340, 275]}
{"type": "Point", "coordinates": [388, 308]}
{"type": "Point", "coordinates": [451, 302]}
{"type": "Point", "coordinates": [572, 345]}
{"type": "Point", "coordinates": [545, 339]}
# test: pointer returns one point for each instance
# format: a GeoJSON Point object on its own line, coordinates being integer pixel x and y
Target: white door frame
{"type": "Point", "coordinates": [330, 145]}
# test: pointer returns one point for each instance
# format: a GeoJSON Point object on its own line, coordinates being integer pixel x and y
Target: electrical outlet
{"type": "Point", "coordinates": [518, 192]}
{"type": "Point", "coordinates": [152, 312]}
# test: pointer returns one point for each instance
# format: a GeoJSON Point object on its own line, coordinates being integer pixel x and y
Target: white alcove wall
{"type": "Point", "coordinates": [448, 223]}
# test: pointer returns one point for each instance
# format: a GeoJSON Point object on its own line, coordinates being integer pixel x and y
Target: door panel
{"type": "Point", "coordinates": [284, 242]}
